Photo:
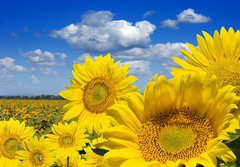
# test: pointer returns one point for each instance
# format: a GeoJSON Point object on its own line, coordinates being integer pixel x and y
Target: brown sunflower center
{"type": "Point", "coordinates": [98, 95]}
{"type": "Point", "coordinates": [174, 135]}
{"type": "Point", "coordinates": [10, 146]}
{"type": "Point", "coordinates": [37, 158]}
{"type": "Point", "coordinates": [227, 72]}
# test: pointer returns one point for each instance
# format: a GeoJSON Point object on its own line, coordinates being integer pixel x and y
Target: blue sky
{"type": "Point", "coordinates": [40, 40]}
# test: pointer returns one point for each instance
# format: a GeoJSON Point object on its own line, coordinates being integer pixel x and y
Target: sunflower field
{"type": "Point", "coordinates": [189, 120]}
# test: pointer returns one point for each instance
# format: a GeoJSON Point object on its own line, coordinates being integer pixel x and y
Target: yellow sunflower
{"type": "Point", "coordinates": [96, 86]}
{"type": "Point", "coordinates": [36, 152]}
{"type": "Point", "coordinates": [67, 138]}
{"type": "Point", "coordinates": [219, 55]}
{"type": "Point", "coordinates": [73, 160]}
{"type": "Point", "coordinates": [12, 134]}
{"type": "Point", "coordinates": [177, 122]}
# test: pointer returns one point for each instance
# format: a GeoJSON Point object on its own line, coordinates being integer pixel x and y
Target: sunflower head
{"type": "Point", "coordinates": [12, 134]}
{"type": "Point", "coordinates": [218, 55]}
{"type": "Point", "coordinates": [96, 85]}
{"type": "Point", "coordinates": [178, 121]}
{"type": "Point", "coordinates": [36, 152]}
{"type": "Point", "coordinates": [67, 138]}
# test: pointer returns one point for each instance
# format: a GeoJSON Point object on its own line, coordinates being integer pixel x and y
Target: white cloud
{"type": "Point", "coordinates": [45, 70]}
{"type": "Point", "coordinates": [138, 66]}
{"type": "Point", "coordinates": [99, 32]}
{"type": "Point", "coordinates": [43, 60]}
{"type": "Point", "coordinates": [189, 16]}
{"type": "Point", "coordinates": [46, 58]}
{"type": "Point", "coordinates": [148, 14]}
{"type": "Point", "coordinates": [170, 23]}
{"type": "Point", "coordinates": [35, 80]}
{"type": "Point", "coordinates": [8, 64]}
{"type": "Point", "coordinates": [159, 51]}
{"type": "Point", "coordinates": [186, 16]}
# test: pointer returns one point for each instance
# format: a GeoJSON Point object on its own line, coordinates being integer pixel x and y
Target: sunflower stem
{"type": "Point", "coordinates": [68, 164]}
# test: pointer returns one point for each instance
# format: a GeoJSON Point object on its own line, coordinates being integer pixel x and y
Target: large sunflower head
{"type": "Point", "coordinates": [12, 134]}
{"type": "Point", "coordinates": [219, 55]}
{"type": "Point", "coordinates": [36, 152]}
{"type": "Point", "coordinates": [95, 87]}
{"type": "Point", "coordinates": [67, 138]}
{"type": "Point", "coordinates": [178, 122]}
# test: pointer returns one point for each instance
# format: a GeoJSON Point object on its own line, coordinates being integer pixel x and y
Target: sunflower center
{"type": "Point", "coordinates": [10, 146]}
{"type": "Point", "coordinates": [227, 72]}
{"type": "Point", "coordinates": [175, 139]}
{"type": "Point", "coordinates": [98, 96]}
{"type": "Point", "coordinates": [66, 140]}
{"type": "Point", "coordinates": [99, 93]}
{"type": "Point", "coordinates": [174, 135]}
{"type": "Point", "coordinates": [37, 158]}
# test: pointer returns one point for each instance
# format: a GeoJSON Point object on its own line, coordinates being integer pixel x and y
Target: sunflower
{"type": "Point", "coordinates": [12, 134]}
{"type": "Point", "coordinates": [96, 86]}
{"type": "Point", "coordinates": [72, 160]}
{"type": "Point", "coordinates": [177, 122]}
{"type": "Point", "coordinates": [36, 152]}
{"type": "Point", "coordinates": [218, 55]}
{"type": "Point", "coordinates": [67, 138]}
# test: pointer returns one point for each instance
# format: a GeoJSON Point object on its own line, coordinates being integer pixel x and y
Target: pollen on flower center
{"type": "Point", "coordinates": [10, 147]}
{"type": "Point", "coordinates": [98, 96]}
{"type": "Point", "coordinates": [66, 140]}
{"type": "Point", "coordinates": [99, 93]}
{"type": "Point", "coordinates": [37, 158]}
{"type": "Point", "coordinates": [174, 135]}
{"type": "Point", "coordinates": [227, 72]}
{"type": "Point", "coordinates": [175, 139]}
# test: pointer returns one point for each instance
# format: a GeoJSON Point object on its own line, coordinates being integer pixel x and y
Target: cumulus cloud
{"type": "Point", "coordinates": [98, 32]}
{"type": "Point", "coordinates": [170, 23]}
{"type": "Point", "coordinates": [186, 16]}
{"type": "Point", "coordinates": [46, 58]}
{"type": "Point", "coordinates": [148, 14]}
{"type": "Point", "coordinates": [7, 64]}
{"type": "Point", "coordinates": [138, 66]}
{"type": "Point", "coordinates": [157, 51]}
{"type": "Point", "coordinates": [189, 16]}
{"type": "Point", "coordinates": [43, 60]}
{"type": "Point", "coordinates": [35, 80]}
{"type": "Point", "coordinates": [161, 51]}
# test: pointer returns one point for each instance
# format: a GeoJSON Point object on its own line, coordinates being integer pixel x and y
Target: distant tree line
{"type": "Point", "coordinates": [39, 97]}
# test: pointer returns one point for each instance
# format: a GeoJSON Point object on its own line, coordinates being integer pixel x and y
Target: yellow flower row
{"type": "Point", "coordinates": [40, 114]}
